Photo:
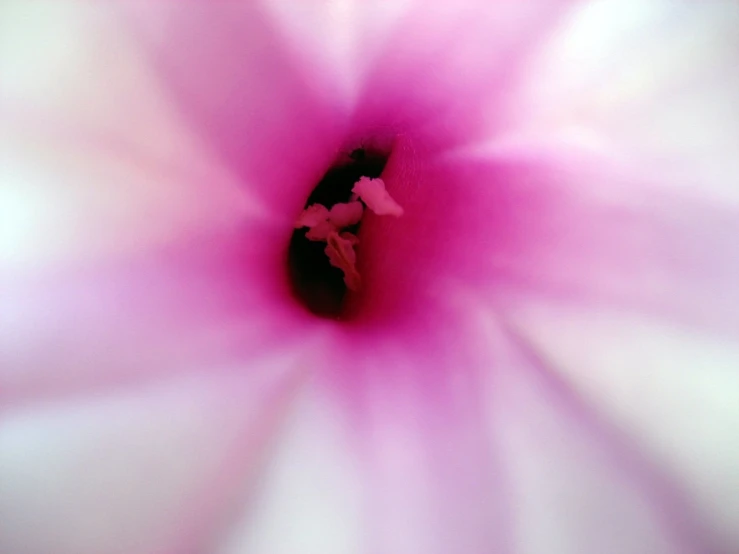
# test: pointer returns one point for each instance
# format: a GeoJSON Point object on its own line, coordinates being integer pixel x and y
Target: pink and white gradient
{"type": "Point", "coordinates": [543, 358]}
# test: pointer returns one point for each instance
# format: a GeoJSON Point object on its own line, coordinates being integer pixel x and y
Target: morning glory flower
{"type": "Point", "coordinates": [513, 328]}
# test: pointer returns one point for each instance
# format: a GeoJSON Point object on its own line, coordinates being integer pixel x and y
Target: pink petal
{"type": "Point", "coordinates": [156, 317]}
{"type": "Point", "coordinates": [529, 210]}
{"type": "Point", "coordinates": [246, 107]}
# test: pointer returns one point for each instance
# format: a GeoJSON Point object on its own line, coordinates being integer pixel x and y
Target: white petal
{"type": "Point", "coordinates": [670, 388]}
{"type": "Point", "coordinates": [97, 162]}
{"type": "Point", "coordinates": [144, 470]}
{"type": "Point", "coordinates": [309, 495]}
{"type": "Point", "coordinates": [650, 83]}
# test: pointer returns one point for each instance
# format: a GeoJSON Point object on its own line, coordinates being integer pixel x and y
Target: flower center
{"type": "Point", "coordinates": [322, 255]}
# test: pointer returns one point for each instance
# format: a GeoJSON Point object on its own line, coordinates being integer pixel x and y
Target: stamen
{"type": "Point", "coordinates": [351, 238]}
{"type": "Point", "coordinates": [312, 216]}
{"type": "Point", "coordinates": [346, 215]}
{"type": "Point", "coordinates": [316, 282]}
{"type": "Point", "coordinates": [373, 193]}
{"type": "Point", "coordinates": [320, 231]}
{"type": "Point", "coordinates": [325, 225]}
{"type": "Point", "coordinates": [340, 252]}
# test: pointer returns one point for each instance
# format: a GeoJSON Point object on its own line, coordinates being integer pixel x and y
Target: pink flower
{"type": "Point", "coordinates": [542, 357]}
